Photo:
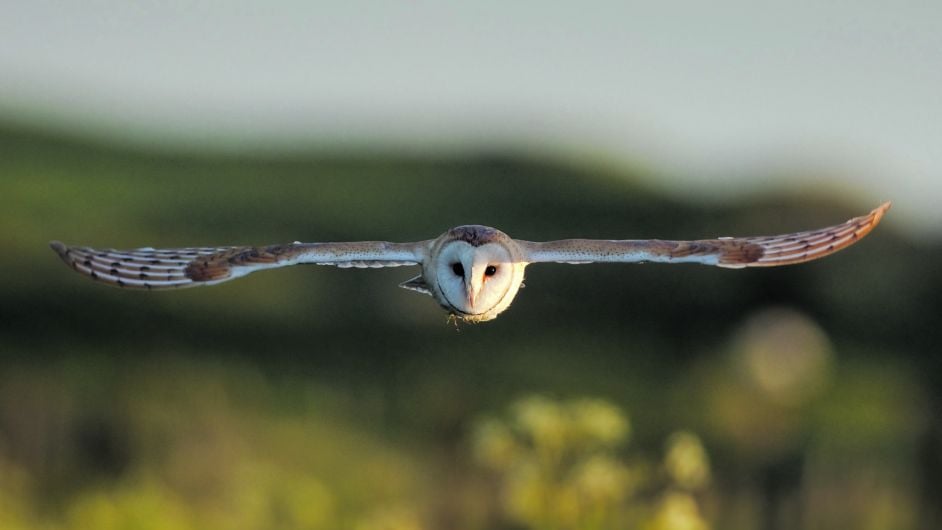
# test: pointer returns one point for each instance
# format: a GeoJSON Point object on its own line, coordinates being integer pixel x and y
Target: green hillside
{"type": "Point", "coordinates": [315, 397]}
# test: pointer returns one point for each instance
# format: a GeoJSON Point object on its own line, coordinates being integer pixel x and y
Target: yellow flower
{"type": "Point", "coordinates": [598, 421]}
{"type": "Point", "coordinates": [526, 494]}
{"type": "Point", "coordinates": [542, 420]}
{"type": "Point", "coordinates": [686, 460]}
{"type": "Point", "coordinates": [678, 511]}
{"type": "Point", "coordinates": [601, 480]}
{"type": "Point", "coordinates": [493, 444]}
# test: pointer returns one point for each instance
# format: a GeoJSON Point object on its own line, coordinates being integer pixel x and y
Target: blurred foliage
{"type": "Point", "coordinates": [558, 468]}
{"type": "Point", "coordinates": [195, 445]}
{"type": "Point", "coordinates": [324, 398]}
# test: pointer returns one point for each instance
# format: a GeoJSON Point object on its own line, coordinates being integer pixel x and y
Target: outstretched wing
{"type": "Point", "coordinates": [148, 268]}
{"type": "Point", "coordinates": [730, 252]}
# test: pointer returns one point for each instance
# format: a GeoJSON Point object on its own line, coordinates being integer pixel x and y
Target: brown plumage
{"type": "Point", "coordinates": [729, 252]}
{"type": "Point", "coordinates": [473, 271]}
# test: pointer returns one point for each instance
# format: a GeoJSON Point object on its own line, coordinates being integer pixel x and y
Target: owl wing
{"type": "Point", "coordinates": [149, 268]}
{"type": "Point", "coordinates": [730, 252]}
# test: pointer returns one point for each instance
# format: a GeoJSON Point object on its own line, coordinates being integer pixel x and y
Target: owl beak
{"type": "Point", "coordinates": [469, 289]}
{"type": "Point", "coordinates": [473, 281]}
{"type": "Point", "coordinates": [472, 288]}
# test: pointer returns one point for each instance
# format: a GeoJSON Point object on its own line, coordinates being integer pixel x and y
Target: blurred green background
{"type": "Point", "coordinates": [608, 396]}
{"type": "Point", "coordinates": [648, 397]}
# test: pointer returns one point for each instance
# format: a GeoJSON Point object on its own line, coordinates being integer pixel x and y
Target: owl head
{"type": "Point", "coordinates": [476, 272]}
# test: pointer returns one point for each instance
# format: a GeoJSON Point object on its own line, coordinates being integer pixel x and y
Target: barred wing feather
{"type": "Point", "coordinates": [149, 268]}
{"type": "Point", "coordinates": [730, 252]}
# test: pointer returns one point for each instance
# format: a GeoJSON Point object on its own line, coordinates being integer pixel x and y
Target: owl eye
{"type": "Point", "coordinates": [457, 269]}
{"type": "Point", "coordinates": [490, 270]}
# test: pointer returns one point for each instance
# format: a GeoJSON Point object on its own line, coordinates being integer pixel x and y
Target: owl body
{"type": "Point", "coordinates": [474, 272]}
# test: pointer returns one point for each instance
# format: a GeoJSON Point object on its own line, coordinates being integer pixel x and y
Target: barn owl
{"type": "Point", "coordinates": [472, 271]}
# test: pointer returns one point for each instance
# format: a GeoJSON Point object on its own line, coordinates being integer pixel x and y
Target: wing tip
{"type": "Point", "coordinates": [879, 211]}
{"type": "Point", "coordinates": [860, 227]}
{"type": "Point", "coordinates": [62, 250]}
{"type": "Point", "coordinates": [871, 220]}
{"type": "Point", "coordinates": [59, 247]}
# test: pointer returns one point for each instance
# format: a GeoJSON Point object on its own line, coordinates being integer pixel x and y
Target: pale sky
{"type": "Point", "coordinates": [716, 97]}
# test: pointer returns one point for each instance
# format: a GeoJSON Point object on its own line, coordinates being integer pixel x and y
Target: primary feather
{"type": "Point", "coordinates": [149, 268]}
{"type": "Point", "coordinates": [729, 252]}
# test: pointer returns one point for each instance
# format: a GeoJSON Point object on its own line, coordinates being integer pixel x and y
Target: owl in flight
{"type": "Point", "coordinates": [473, 271]}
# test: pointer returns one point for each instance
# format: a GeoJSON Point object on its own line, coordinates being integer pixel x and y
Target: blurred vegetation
{"type": "Point", "coordinates": [321, 398]}
{"type": "Point", "coordinates": [558, 468]}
